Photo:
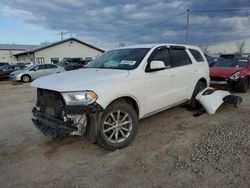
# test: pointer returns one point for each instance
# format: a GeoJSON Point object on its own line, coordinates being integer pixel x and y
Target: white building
{"type": "Point", "coordinates": [7, 51]}
{"type": "Point", "coordinates": [55, 52]}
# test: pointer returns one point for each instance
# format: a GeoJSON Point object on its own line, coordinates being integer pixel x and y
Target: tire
{"type": "Point", "coordinates": [194, 104]}
{"type": "Point", "coordinates": [26, 78]}
{"type": "Point", "coordinates": [112, 134]}
{"type": "Point", "coordinates": [242, 85]}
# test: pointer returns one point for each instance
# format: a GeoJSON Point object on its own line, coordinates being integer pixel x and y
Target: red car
{"type": "Point", "coordinates": [231, 74]}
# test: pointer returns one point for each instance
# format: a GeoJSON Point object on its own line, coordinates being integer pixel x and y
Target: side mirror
{"type": "Point", "coordinates": [156, 65]}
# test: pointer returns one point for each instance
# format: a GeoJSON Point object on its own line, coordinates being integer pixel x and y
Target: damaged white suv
{"type": "Point", "coordinates": [104, 101]}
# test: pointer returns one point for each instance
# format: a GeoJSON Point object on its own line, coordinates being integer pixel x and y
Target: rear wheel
{"type": "Point", "coordinates": [194, 104]}
{"type": "Point", "coordinates": [242, 85]}
{"type": "Point", "coordinates": [26, 78]}
{"type": "Point", "coordinates": [119, 124]}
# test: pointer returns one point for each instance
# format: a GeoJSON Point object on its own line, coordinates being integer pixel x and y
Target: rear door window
{"type": "Point", "coordinates": [180, 57]}
{"type": "Point", "coordinates": [197, 55]}
{"type": "Point", "coordinates": [41, 67]}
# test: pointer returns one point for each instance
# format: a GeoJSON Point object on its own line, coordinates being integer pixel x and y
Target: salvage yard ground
{"type": "Point", "coordinates": [172, 149]}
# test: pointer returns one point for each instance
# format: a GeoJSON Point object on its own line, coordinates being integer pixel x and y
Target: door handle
{"type": "Point", "coordinates": [195, 70]}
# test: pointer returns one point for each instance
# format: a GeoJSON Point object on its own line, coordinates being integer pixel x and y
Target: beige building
{"type": "Point", "coordinates": [55, 52]}
{"type": "Point", "coordinates": [8, 51]}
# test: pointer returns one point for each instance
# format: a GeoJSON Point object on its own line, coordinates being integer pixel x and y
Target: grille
{"type": "Point", "coordinates": [50, 102]}
{"type": "Point", "coordinates": [218, 79]}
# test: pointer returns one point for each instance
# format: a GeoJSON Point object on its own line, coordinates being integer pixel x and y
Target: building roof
{"type": "Point", "coordinates": [56, 43]}
{"type": "Point", "coordinates": [23, 47]}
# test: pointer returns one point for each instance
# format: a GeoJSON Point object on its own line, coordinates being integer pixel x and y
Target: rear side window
{"type": "Point", "coordinates": [197, 55]}
{"type": "Point", "coordinates": [180, 57]}
{"type": "Point", "coordinates": [161, 54]}
{"type": "Point", "coordinates": [51, 66]}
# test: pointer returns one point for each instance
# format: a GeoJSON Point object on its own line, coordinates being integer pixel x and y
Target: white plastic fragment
{"type": "Point", "coordinates": [211, 99]}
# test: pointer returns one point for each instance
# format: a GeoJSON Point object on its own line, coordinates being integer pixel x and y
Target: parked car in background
{"type": "Point", "coordinates": [211, 60]}
{"type": "Point", "coordinates": [35, 71]}
{"type": "Point", "coordinates": [231, 56]}
{"type": "Point", "coordinates": [7, 69]}
{"type": "Point", "coordinates": [3, 64]}
{"type": "Point", "coordinates": [27, 64]}
{"type": "Point", "coordinates": [232, 74]}
{"type": "Point", "coordinates": [105, 100]}
{"type": "Point", "coordinates": [72, 63]}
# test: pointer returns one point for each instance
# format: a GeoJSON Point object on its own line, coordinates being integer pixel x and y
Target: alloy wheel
{"type": "Point", "coordinates": [117, 126]}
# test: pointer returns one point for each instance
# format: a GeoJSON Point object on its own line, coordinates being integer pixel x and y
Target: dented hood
{"type": "Point", "coordinates": [224, 72]}
{"type": "Point", "coordinates": [81, 79]}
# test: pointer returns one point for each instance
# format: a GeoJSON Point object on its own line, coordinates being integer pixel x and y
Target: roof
{"type": "Point", "coordinates": [17, 47]}
{"type": "Point", "coordinates": [156, 44]}
{"type": "Point", "coordinates": [56, 43]}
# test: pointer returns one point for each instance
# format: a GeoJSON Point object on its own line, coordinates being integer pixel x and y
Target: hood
{"type": "Point", "coordinates": [225, 72]}
{"type": "Point", "coordinates": [17, 72]}
{"type": "Point", "coordinates": [81, 79]}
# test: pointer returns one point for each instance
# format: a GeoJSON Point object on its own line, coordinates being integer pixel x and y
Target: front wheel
{"type": "Point", "coordinates": [242, 85]}
{"type": "Point", "coordinates": [119, 125]}
{"type": "Point", "coordinates": [26, 78]}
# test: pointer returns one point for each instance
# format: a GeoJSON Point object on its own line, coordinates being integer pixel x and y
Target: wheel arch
{"type": "Point", "coordinates": [128, 99]}
{"type": "Point", "coordinates": [203, 80]}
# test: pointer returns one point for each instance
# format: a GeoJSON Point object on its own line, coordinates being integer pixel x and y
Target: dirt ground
{"type": "Point", "coordinates": [171, 149]}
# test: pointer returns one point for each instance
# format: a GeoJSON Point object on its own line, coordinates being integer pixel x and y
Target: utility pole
{"type": "Point", "coordinates": [187, 26]}
{"type": "Point", "coordinates": [61, 35]}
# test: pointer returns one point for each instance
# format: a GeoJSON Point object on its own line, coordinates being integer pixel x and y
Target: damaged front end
{"type": "Point", "coordinates": [56, 119]}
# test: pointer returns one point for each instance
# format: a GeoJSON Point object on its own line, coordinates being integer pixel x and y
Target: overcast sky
{"type": "Point", "coordinates": [106, 23]}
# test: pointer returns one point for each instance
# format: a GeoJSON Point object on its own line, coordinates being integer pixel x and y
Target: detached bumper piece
{"type": "Point", "coordinates": [212, 99]}
{"type": "Point", "coordinates": [52, 127]}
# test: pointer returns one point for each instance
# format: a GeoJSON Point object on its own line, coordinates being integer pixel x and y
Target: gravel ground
{"type": "Point", "coordinates": [172, 149]}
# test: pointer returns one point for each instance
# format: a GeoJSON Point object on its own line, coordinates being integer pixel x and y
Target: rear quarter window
{"type": "Point", "coordinates": [197, 55]}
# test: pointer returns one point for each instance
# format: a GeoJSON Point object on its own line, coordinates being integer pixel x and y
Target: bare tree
{"type": "Point", "coordinates": [121, 44]}
{"type": "Point", "coordinates": [204, 49]}
{"type": "Point", "coordinates": [240, 47]}
{"type": "Point", "coordinates": [45, 43]}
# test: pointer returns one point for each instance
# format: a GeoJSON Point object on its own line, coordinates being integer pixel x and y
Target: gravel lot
{"type": "Point", "coordinates": [172, 149]}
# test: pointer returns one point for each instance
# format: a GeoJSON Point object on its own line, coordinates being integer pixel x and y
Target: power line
{"type": "Point", "coordinates": [220, 10]}
{"type": "Point", "coordinates": [149, 26]}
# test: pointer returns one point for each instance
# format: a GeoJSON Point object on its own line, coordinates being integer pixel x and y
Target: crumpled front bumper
{"type": "Point", "coordinates": [50, 126]}
{"type": "Point", "coordinates": [57, 128]}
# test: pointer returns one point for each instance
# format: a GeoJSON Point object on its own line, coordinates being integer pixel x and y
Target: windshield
{"type": "Point", "coordinates": [231, 63]}
{"type": "Point", "coordinates": [63, 62]}
{"type": "Point", "coordinates": [29, 67]}
{"type": "Point", "coordinates": [4, 67]}
{"type": "Point", "coordinates": [124, 59]}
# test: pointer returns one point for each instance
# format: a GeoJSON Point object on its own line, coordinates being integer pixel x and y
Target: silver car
{"type": "Point", "coordinates": [35, 71]}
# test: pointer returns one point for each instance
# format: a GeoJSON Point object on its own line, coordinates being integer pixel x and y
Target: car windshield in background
{"type": "Point", "coordinates": [63, 62]}
{"type": "Point", "coordinates": [124, 59]}
{"type": "Point", "coordinates": [231, 63]}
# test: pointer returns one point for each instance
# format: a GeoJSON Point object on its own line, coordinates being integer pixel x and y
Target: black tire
{"type": "Point", "coordinates": [194, 104]}
{"type": "Point", "coordinates": [26, 78]}
{"type": "Point", "coordinates": [242, 85]}
{"type": "Point", "coordinates": [102, 138]}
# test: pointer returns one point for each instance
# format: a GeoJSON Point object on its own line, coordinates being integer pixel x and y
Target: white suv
{"type": "Point", "coordinates": [105, 100]}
